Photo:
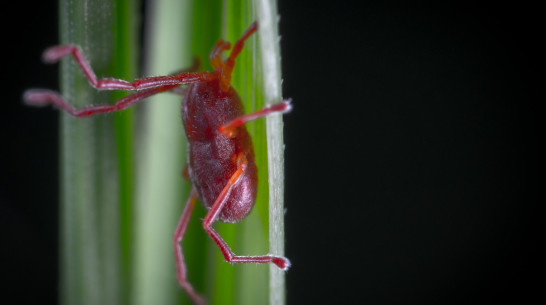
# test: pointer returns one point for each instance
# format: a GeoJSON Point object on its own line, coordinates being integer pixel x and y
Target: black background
{"type": "Point", "coordinates": [411, 153]}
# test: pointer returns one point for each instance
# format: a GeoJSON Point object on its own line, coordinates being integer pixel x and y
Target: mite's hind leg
{"type": "Point", "coordinates": [212, 214]}
{"type": "Point", "coordinates": [181, 271]}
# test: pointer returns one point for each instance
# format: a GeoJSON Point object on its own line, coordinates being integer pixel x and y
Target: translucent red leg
{"type": "Point", "coordinates": [181, 270]}
{"type": "Point", "coordinates": [147, 86]}
{"type": "Point", "coordinates": [281, 262]}
{"type": "Point", "coordinates": [238, 47]}
{"type": "Point", "coordinates": [214, 57]}
{"type": "Point", "coordinates": [230, 129]}
{"type": "Point", "coordinates": [54, 54]}
{"type": "Point", "coordinates": [229, 64]}
{"type": "Point", "coordinates": [42, 97]}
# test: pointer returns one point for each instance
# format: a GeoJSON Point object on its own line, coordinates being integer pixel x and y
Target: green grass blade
{"type": "Point", "coordinates": [126, 52]}
{"type": "Point", "coordinates": [95, 230]}
{"type": "Point", "coordinates": [161, 191]}
{"type": "Point", "coordinates": [271, 76]}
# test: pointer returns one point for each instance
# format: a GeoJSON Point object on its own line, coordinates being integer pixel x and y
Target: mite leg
{"type": "Point", "coordinates": [179, 90]}
{"type": "Point", "coordinates": [229, 64]}
{"type": "Point", "coordinates": [214, 57]}
{"type": "Point", "coordinates": [42, 97]}
{"type": "Point", "coordinates": [230, 129]}
{"type": "Point", "coordinates": [238, 47]}
{"type": "Point", "coordinates": [181, 270]}
{"type": "Point", "coordinates": [172, 80]}
{"type": "Point", "coordinates": [181, 77]}
{"type": "Point", "coordinates": [54, 54]}
{"type": "Point", "coordinates": [281, 262]}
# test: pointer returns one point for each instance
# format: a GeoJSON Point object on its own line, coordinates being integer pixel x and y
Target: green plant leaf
{"type": "Point", "coordinates": [96, 162]}
{"type": "Point", "coordinates": [161, 192]}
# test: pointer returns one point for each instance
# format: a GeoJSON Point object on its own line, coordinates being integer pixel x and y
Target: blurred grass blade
{"type": "Point", "coordinates": [95, 206]}
{"type": "Point", "coordinates": [161, 189]}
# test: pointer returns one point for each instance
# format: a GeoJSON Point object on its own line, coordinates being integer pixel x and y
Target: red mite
{"type": "Point", "coordinates": [221, 163]}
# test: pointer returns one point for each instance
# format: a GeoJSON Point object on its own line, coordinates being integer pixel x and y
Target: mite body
{"type": "Point", "coordinates": [213, 157]}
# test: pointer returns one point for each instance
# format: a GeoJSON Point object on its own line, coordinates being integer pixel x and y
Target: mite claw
{"type": "Point", "coordinates": [282, 263]}
{"type": "Point", "coordinates": [287, 105]}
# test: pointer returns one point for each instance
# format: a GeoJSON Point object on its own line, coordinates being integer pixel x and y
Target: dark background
{"type": "Point", "coordinates": [412, 169]}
